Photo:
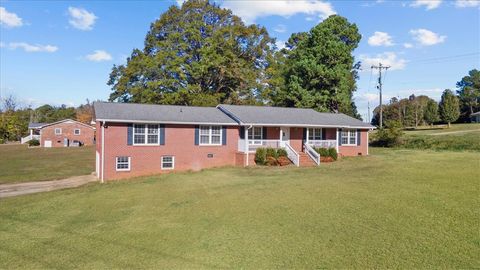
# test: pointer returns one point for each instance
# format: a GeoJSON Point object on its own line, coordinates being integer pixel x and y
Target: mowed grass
{"type": "Point", "coordinates": [18, 163]}
{"type": "Point", "coordinates": [393, 209]}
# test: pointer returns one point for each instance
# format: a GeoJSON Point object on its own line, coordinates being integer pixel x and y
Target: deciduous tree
{"type": "Point", "coordinates": [449, 107]}
{"type": "Point", "coordinates": [198, 54]}
{"type": "Point", "coordinates": [469, 93]}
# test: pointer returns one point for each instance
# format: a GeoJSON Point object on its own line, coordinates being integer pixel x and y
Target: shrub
{"type": "Point", "coordinates": [388, 137]}
{"type": "Point", "coordinates": [2, 141]}
{"type": "Point", "coordinates": [33, 142]}
{"type": "Point", "coordinates": [261, 156]}
{"type": "Point", "coordinates": [272, 152]}
{"type": "Point", "coordinates": [332, 152]}
{"type": "Point", "coordinates": [282, 152]}
{"type": "Point", "coordinates": [322, 151]}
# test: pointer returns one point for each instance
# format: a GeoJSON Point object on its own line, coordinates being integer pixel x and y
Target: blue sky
{"type": "Point", "coordinates": [61, 52]}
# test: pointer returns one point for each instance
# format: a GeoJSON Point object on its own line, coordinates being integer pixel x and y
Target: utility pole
{"type": "Point", "coordinates": [380, 67]}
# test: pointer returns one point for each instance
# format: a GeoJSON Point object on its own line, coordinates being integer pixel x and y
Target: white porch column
{"type": "Point", "coordinates": [246, 144]}
{"type": "Point", "coordinates": [307, 134]}
{"type": "Point", "coordinates": [336, 141]}
{"type": "Point", "coordinates": [31, 133]}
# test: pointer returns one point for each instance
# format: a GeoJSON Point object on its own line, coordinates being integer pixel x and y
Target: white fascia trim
{"type": "Point", "coordinates": [167, 122]}
{"type": "Point", "coordinates": [297, 125]}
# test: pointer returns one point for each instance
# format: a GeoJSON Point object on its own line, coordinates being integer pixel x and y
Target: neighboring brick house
{"type": "Point", "coordinates": [64, 133]}
{"type": "Point", "coordinates": [142, 139]}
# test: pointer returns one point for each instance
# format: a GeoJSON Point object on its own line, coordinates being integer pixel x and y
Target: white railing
{"type": "Point", "coordinates": [322, 143]}
{"type": "Point", "coordinates": [254, 144]}
{"type": "Point", "coordinates": [29, 137]}
{"type": "Point", "coordinates": [292, 154]}
{"type": "Point", "coordinates": [313, 154]}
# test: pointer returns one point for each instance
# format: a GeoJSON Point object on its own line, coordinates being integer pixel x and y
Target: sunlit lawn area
{"type": "Point", "coordinates": [393, 209]}
{"type": "Point", "coordinates": [18, 163]}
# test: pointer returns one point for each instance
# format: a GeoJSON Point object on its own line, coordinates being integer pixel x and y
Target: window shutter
{"type": "Point", "coordinates": [324, 134]}
{"type": "Point", "coordinates": [129, 134]}
{"type": "Point", "coordinates": [304, 134]}
{"type": "Point", "coordinates": [196, 135]}
{"type": "Point", "coordinates": [359, 137]}
{"type": "Point", "coordinates": [339, 136]}
{"type": "Point", "coordinates": [242, 133]}
{"type": "Point", "coordinates": [224, 135]}
{"type": "Point", "coordinates": [162, 134]}
{"type": "Point", "coordinates": [264, 133]}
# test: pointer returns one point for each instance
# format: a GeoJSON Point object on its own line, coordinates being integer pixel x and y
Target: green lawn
{"type": "Point", "coordinates": [18, 163]}
{"type": "Point", "coordinates": [393, 209]}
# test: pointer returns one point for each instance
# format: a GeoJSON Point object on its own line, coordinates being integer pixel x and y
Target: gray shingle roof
{"type": "Point", "coordinates": [262, 115]}
{"type": "Point", "coordinates": [122, 112]}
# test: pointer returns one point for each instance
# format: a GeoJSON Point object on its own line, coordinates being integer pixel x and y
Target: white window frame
{"type": "Point", "coordinates": [167, 168]}
{"type": "Point", "coordinates": [58, 131]}
{"type": "Point", "coordinates": [145, 134]}
{"type": "Point", "coordinates": [349, 134]}
{"type": "Point", "coordinates": [210, 135]}
{"type": "Point", "coordinates": [123, 169]}
{"type": "Point", "coordinates": [315, 133]}
{"type": "Point", "coordinates": [253, 136]}
{"type": "Point", "coordinates": [75, 131]}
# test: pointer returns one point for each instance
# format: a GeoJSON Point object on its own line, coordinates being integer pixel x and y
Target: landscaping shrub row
{"type": "Point", "coordinates": [327, 154]}
{"type": "Point", "coordinates": [271, 156]}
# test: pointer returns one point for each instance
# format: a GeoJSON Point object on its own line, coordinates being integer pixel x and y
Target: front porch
{"type": "Point", "coordinates": [297, 141]}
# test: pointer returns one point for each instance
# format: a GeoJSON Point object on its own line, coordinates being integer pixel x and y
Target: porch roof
{"type": "Point", "coordinates": [280, 116]}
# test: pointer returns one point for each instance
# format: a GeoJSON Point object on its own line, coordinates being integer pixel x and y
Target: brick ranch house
{"type": "Point", "coordinates": [142, 139]}
{"type": "Point", "coordinates": [64, 133]}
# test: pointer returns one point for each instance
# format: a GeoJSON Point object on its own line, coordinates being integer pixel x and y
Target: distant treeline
{"type": "Point", "coordinates": [14, 118]}
{"type": "Point", "coordinates": [422, 110]}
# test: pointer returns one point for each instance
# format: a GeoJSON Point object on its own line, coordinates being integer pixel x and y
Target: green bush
{"type": "Point", "coordinates": [272, 152]}
{"type": "Point", "coordinates": [282, 152]}
{"type": "Point", "coordinates": [2, 141]}
{"type": "Point", "coordinates": [332, 152]}
{"type": "Point", "coordinates": [33, 142]}
{"type": "Point", "coordinates": [322, 151]}
{"type": "Point", "coordinates": [388, 137]}
{"type": "Point", "coordinates": [261, 156]}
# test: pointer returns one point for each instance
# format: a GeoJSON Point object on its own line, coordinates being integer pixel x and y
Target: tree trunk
{"type": "Point", "coordinates": [449, 125]}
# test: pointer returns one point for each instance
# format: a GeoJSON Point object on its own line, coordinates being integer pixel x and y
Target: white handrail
{"type": "Point", "coordinates": [323, 143]}
{"type": "Point", "coordinates": [312, 153]}
{"type": "Point", "coordinates": [292, 154]}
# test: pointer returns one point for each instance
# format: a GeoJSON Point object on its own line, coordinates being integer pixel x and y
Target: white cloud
{"type": "Point", "coordinates": [429, 4]}
{"type": "Point", "coordinates": [9, 19]}
{"type": "Point", "coordinates": [387, 59]}
{"type": "Point", "coordinates": [250, 10]}
{"type": "Point", "coordinates": [99, 56]}
{"type": "Point", "coordinates": [408, 45]}
{"type": "Point", "coordinates": [281, 28]}
{"type": "Point", "coordinates": [309, 18]}
{"type": "Point", "coordinates": [467, 3]}
{"type": "Point", "coordinates": [81, 18]}
{"type": "Point", "coordinates": [280, 44]}
{"type": "Point", "coordinates": [380, 39]}
{"type": "Point", "coordinates": [426, 37]}
{"type": "Point", "coordinates": [32, 48]}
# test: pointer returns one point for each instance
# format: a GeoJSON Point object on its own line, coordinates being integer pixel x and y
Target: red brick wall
{"type": "Point", "coordinates": [179, 142]}
{"type": "Point", "coordinates": [355, 150]}
{"type": "Point", "coordinates": [296, 138]}
{"type": "Point", "coordinates": [86, 136]}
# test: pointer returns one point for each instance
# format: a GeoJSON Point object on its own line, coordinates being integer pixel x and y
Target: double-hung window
{"type": "Point", "coordinates": [123, 164]}
{"type": "Point", "coordinates": [58, 131]}
{"type": "Point", "coordinates": [314, 134]}
{"type": "Point", "coordinates": [255, 135]}
{"type": "Point", "coordinates": [146, 134]}
{"type": "Point", "coordinates": [76, 131]}
{"type": "Point", "coordinates": [168, 162]}
{"type": "Point", "coordinates": [349, 137]}
{"type": "Point", "coordinates": [210, 135]}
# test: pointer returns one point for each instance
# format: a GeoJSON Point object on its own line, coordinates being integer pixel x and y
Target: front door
{"type": "Point", "coordinates": [285, 135]}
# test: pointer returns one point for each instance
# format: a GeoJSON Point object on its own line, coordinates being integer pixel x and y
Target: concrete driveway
{"type": "Point", "coordinates": [10, 190]}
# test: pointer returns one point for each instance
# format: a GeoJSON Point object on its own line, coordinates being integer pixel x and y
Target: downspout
{"type": "Point", "coordinates": [246, 142]}
{"type": "Point", "coordinates": [103, 152]}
